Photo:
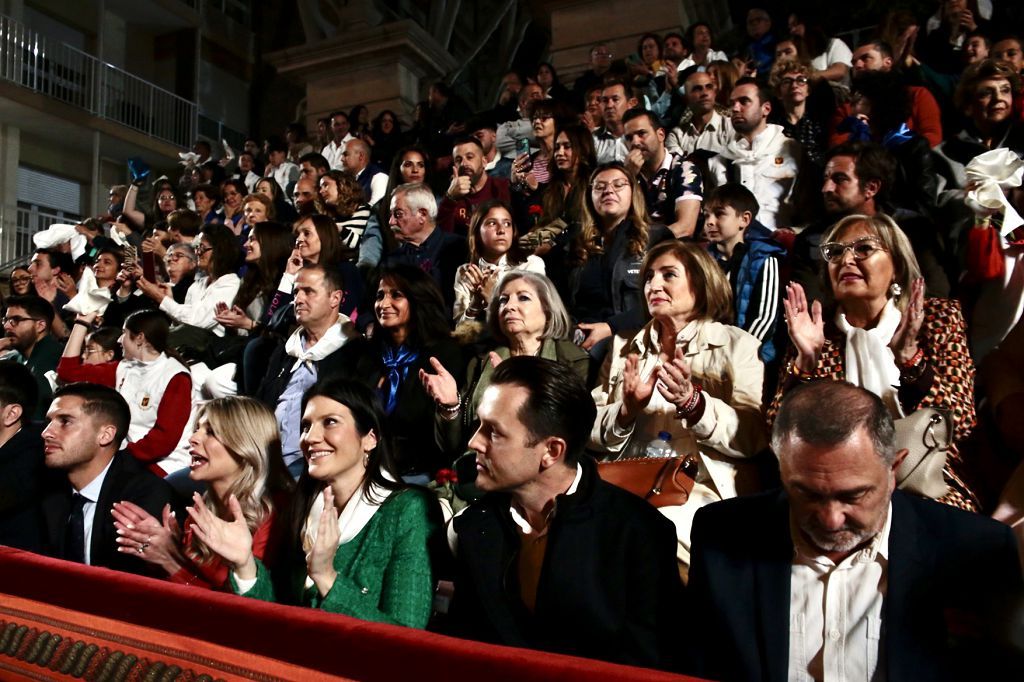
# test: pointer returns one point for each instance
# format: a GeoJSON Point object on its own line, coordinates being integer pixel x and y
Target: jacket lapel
{"type": "Point", "coordinates": [908, 559]}
{"type": "Point", "coordinates": [771, 592]}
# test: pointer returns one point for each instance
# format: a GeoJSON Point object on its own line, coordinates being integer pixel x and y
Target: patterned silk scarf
{"type": "Point", "coordinates": [397, 361]}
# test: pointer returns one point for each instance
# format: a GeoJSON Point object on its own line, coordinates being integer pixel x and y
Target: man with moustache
{"type": "Point", "coordinates": [470, 187]}
{"type": "Point", "coordinates": [86, 425]}
{"type": "Point", "coordinates": [839, 575]}
{"type": "Point", "coordinates": [421, 242]}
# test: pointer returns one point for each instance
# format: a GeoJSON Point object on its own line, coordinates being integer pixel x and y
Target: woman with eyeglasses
{"type": "Point", "coordinates": [217, 261]}
{"type": "Point", "coordinates": [532, 172]}
{"type": "Point", "coordinates": [878, 331]}
{"type": "Point", "coordinates": [21, 282]}
{"type": "Point", "coordinates": [166, 200]}
{"type": "Point", "coordinates": [597, 265]}
{"type": "Point", "coordinates": [790, 79]}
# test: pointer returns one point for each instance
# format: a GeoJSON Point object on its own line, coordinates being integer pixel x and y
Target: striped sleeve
{"type": "Point", "coordinates": [766, 299]}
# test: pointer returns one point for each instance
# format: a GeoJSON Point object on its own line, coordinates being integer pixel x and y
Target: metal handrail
{"type": "Point", "coordinates": [74, 77]}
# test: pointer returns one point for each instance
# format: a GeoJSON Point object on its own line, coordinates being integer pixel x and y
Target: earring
{"type": "Point", "coordinates": [366, 459]}
{"type": "Point", "coordinates": [895, 290]}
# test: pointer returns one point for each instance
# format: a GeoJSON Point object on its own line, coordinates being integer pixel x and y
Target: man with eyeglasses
{"type": "Point", "coordinates": [27, 340]}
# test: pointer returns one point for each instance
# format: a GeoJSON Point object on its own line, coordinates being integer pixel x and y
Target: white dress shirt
{"type": "Point", "coordinates": [835, 612]}
{"type": "Point", "coordinates": [332, 152]}
{"type": "Point", "coordinates": [715, 136]}
{"type": "Point", "coordinates": [91, 493]}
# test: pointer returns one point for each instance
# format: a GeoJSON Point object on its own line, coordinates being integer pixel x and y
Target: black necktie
{"type": "Point", "coordinates": [74, 534]}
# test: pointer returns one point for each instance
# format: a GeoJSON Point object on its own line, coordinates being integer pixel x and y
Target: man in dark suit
{"type": "Point", "coordinates": [552, 557]}
{"type": "Point", "coordinates": [21, 458]}
{"type": "Point", "coordinates": [840, 577]}
{"type": "Point", "coordinates": [87, 424]}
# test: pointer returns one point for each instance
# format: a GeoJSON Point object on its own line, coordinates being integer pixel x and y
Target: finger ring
{"type": "Point", "coordinates": [141, 549]}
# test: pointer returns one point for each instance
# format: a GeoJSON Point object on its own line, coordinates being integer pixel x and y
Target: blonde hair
{"type": "Point", "coordinates": [248, 431]}
{"type": "Point", "coordinates": [712, 295]}
{"type": "Point", "coordinates": [893, 239]}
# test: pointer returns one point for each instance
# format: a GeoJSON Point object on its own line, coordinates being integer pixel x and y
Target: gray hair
{"type": "Point", "coordinates": [418, 196]}
{"type": "Point", "coordinates": [185, 248]}
{"type": "Point", "coordinates": [828, 413]}
{"type": "Point", "coordinates": [556, 323]}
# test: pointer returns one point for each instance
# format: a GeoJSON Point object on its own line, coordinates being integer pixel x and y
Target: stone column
{"type": "Point", "coordinates": [384, 67]}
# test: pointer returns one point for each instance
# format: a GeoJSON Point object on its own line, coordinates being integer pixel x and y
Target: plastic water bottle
{"type": "Point", "coordinates": [661, 446]}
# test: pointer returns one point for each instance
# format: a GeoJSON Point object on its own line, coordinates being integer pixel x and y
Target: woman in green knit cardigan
{"type": "Point", "coordinates": [359, 536]}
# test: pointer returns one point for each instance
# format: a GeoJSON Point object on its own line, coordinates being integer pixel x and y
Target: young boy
{"type": "Point", "coordinates": [751, 259]}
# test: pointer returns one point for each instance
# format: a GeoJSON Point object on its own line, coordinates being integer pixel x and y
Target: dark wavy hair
{"type": "Point", "coordinates": [428, 320]}
{"type": "Point", "coordinates": [261, 278]}
{"type": "Point", "coordinates": [225, 250]}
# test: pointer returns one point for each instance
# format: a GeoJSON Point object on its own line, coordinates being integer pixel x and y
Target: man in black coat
{"type": "Point", "coordinates": [552, 557]}
{"type": "Point", "coordinates": [838, 576]}
{"type": "Point", "coordinates": [21, 458]}
{"type": "Point", "coordinates": [86, 425]}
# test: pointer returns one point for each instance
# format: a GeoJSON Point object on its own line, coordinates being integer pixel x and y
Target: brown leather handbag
{"type": "Point", "coordinates": [664, 482]}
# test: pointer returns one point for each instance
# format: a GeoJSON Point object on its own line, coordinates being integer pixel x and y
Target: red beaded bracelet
{"type": "Point", "coordinates": [691, 404]}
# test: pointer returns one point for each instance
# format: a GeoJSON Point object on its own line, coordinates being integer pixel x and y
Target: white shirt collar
{"type": "Point", "coordinates": [92, 490]}
{"type": "Point", "coordinates": [521, 521]}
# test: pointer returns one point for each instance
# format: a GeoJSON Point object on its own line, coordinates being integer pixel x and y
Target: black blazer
{"type": "Point", "coordinates": [21, 476]}
{"type": "Point", "coordinates": [609, 588]}
{"type": "Point", "coordinates": [128, 480]}
{"type": "Point", "coordinates": [942, 562]}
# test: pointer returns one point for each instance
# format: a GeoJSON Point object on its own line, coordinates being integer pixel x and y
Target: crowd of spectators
{"type": "Point", "coordinates": [327, 345]}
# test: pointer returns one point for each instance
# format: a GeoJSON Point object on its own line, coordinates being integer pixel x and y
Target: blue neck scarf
{"type": "Point", "coordinates": [397, 361]}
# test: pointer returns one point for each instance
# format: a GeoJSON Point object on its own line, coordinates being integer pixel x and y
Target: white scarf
{"type": "Point", "coordinates": [992, 173]}
{"type": "Point", "coordinates": [740, 153]}
{"type": "Point", "coordinates": [869, 361]}
{"type": "Point", "coordinates": [331, 341]}
{"type": "Point", "coordinates": [90, 297]}
{"type": "Point", "coordinates": [353, 518]}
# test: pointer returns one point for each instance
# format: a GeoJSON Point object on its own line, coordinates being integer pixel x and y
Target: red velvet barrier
{"type": "Point", "coordinates": [328, 643]}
